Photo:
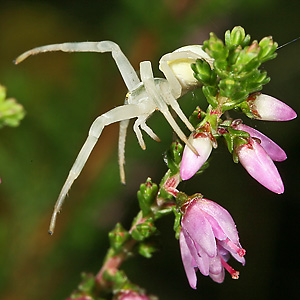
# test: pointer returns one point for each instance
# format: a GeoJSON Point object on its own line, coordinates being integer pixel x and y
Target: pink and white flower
{"type": "Point", "coordinates": [268, 108]}
{"type": "Point", "coordinates": [260, 166]}
{"type": "Point", "coordinates": [191, 163]}
{"type": "Point", "coordinates": [273, 150]}
{"type": "Point", "coordinates": [207, 238]}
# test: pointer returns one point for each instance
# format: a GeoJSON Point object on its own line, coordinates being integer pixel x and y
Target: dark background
{"type": "Point", "coordinates": [63, 94]}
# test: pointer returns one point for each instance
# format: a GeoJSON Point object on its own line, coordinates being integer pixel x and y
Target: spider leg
{"type": "Point", "coordinates": [176, 87]}
{"type": "Point", "coordinates": [175, 106]}
{"type": "Point", "coordinates": [138, 132]}
{"type": "Point", "coordinates": [148, 80]}
{"type": "Point", "coordinates": [140, 122]}
{"type": "Point", "coordinates": [121, 148]}
{"type": "Point", "coordinates": [150, 132]}
{"type": "Point", "coordinates": [128, 73]}
{"type": "Point", "coordinates": [116, 114]}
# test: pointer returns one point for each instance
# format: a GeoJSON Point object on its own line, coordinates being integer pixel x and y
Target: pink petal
{"type": "Point", "coordinates": [222, 217]}
{"type": "Point", "coordinates": [188, 261]}
{"type": "Point", "coordinates": [272, 109]}
{"type": "Point", "coordinates": [260, 166]}
{"type": "Point", "coordinates": [199, 229]}
{"type": "Point", "coordinates": [191, 163]}
{"type": "Point", "coordinates": [272, 149]}
{"type": "Point", "coordinates": [222, 244]}
{"type": "Point", "coordinates": [200, 257]}
{"type": "Point", "coordinates": [215, 266]}
{"type": "Point", "coordinates": [219, 278]}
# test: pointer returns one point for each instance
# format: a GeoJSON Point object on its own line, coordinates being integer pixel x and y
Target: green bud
{"type": "Point", "coordinates": [143, 230]}
{"type": "Point", "coordinates": [146, 196]}
{"type": "Point", "coordinates": [118, 236]}
{"type": "Point", "coordinates": [267, 49]}
{"type": "Point", "coordinates": [146, 249]}
{"type": "Point", "coordinates": [204, 73]}
{"type": "Point", "coordinates": [215, 48]}
{"type": "Point", "coordinates": [237, 37]}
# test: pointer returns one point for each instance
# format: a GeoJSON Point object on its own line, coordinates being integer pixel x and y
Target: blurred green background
{"type": "Point", "coordinates": [63, 93]}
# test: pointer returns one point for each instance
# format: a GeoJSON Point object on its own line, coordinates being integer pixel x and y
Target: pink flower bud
{"type": "Point", "coordinates": [272, 149]}
{"type": "Point", "coordinates": [260, 166]}
{"type": "Point", "coordinates": [271, 109]}
{"type": "Point", "coordinates": [208, 235]}
{"type": "Point", "coordinates": [191, 163]}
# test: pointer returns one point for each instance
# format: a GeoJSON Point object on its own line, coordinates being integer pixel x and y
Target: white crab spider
{"type": "Point", "coordinates": [143, 98]}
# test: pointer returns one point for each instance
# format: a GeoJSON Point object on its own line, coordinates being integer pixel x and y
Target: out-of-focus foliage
{"type": "Point", "coordinates": [11, 112]}
{"type": "Point", "coordinates": [64, 93]}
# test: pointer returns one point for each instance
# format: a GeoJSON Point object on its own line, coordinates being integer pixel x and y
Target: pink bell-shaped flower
{"type": "Point", "coordinates": [268, 108]}
{"type": "Point", "coordinates": [207, 238]}
{"type": "Point", "coordinates": [260, 166]}
{"type": "Point", "coordinates": [191, 163]}
{"type": "Point", "coordinates": [272, 149]}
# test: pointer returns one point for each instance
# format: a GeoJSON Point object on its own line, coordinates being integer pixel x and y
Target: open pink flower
{"type": "Point", "coordinates": [272, 149]}
{"type": "Point", "coordinates": [260, 166]}
{"type": "Point", "coordinates": [268, 108]}
{"type": "Point", "coordinates": [207, 238]}
{"type": "Point", "coordinates": [191, 163]}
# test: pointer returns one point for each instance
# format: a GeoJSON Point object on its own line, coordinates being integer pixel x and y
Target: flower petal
{"type": "Point", "coordinates": [191, 163]}
{"type": "Point", "coordinates": [222, 217]}
{"type": "Point", "coordinates": [219, 278]}
{"type": "Point", "coordinates": [272, 149]}
{"type": "Point", "coordinates": [215, 265]}
{"type": "Point", "coordinates": [260, 166]}
{"type": "Point", "coordinates": [272, 109]}
{"type": "Point", "coordinates": [200, 257]}
{"type": "Point", "coordinates": [199, 229]}
{"type": "Point", "coordinates": [188, 261]}
{"type": "Point", "coordinates": [222, 244]}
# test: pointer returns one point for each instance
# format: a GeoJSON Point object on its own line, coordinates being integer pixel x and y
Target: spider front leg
{"type": "Point", "coordinates": [124, 112]}
{"type": "Point", "coordinates": [127, 71]}
{"type": "Point", "coordinates": [155, 94]}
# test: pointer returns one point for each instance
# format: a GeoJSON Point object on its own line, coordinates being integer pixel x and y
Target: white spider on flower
{"type": "Point", "coordinates": [144, 96]}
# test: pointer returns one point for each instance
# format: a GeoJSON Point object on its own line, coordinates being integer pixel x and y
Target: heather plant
{"type": "Point", "coordinates": [230, 77]}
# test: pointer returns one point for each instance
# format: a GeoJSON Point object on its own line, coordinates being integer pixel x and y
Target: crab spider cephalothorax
{"type": "Point", "coordinates": [145, 95]}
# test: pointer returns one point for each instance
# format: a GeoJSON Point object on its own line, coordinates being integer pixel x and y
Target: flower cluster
{"type": "Point", "coordinates": [208, 234]}
{"type": "Point", "coordinates": [256, 152]}
{"type": "Point", "coordinates": [207, 238]}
